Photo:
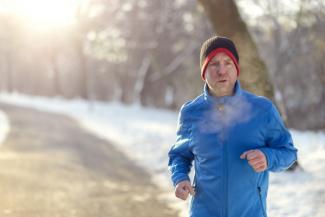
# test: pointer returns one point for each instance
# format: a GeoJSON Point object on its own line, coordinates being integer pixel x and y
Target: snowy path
{"type": "Point", "coordinates": [51, 167]}
{"type": "Point", "coordinates": [146, 135]}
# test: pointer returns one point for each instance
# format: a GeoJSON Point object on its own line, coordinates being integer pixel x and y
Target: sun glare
{"type": "Point", "coordinates": [45, 13]}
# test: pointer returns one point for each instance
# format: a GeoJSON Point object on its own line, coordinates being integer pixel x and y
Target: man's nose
{"type": "Point", "coordinates": [222, 69]}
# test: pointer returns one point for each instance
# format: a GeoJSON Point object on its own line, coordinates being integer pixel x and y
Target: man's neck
{"type": "Point", "coordinates": [220, 94]}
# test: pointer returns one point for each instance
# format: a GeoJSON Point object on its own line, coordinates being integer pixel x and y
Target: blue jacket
{"type": "Point", "coordinates": [214, 132]}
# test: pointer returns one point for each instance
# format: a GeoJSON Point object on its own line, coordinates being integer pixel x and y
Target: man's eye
{"type": "Point", "coordinates": [228, 63]}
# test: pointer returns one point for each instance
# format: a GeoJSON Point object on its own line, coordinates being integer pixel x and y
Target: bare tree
{"type": "Point", "coordinates": [291, 41]}
{"type": "Point", "coordinates": [8, 40]}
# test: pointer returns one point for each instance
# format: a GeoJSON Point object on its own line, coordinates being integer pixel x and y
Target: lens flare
{"type": "Point", "coordinates": [44, 13]}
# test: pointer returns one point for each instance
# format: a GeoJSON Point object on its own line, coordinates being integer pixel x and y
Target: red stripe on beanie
{"type": "Point", "coordinates": [215, 52]}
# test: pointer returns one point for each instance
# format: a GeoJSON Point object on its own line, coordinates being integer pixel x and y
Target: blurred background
{"type": "Point", "coordinates": [147, 52]}
{"type": "Point", "coordinates": [90, 92]}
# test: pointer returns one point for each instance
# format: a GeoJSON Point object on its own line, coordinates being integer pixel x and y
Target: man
{"type": "Point", "coordinates": [235, 139]}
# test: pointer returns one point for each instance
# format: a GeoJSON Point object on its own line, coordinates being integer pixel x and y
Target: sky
{"type": "Point", "coordinates": [42, 14]}
{"type": "Point", "coordinates": [283, 11]}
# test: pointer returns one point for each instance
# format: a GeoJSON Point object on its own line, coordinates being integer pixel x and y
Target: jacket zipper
{"type": "Point", "coordinates": [226, 176]}
{"type": "Point", "coordinates": [225, 173]}
{"type": "Point", "coordinates": [225, 167]}
{"type": "Point", "coordinates": [261, 202]}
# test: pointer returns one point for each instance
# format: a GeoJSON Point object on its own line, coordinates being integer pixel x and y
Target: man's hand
{"type": "Point", "coordinates": [256, 159]}
{"type": "Point", "coordinates": [184, 188]}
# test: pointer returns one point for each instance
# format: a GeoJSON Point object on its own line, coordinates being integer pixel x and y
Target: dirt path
{"type": "Point", "coordinates": [50, 167]}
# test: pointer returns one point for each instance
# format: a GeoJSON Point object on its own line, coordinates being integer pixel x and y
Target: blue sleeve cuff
{"type": "Point", "coordinates": [268, 154]}
{"type": "Point", "coordinates": [180, 178]}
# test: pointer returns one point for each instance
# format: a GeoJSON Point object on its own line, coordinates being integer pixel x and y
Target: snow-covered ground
{"type": "Point", "coordinates": [146, 135]}
{"type": "Point", "coordinates": [4, 126]}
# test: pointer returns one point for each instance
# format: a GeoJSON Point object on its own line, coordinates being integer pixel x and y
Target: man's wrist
{"type": "Point", "coordinates": [181, 179]}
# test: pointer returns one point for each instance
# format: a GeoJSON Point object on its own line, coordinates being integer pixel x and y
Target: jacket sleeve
{"type": "Point", "coordinates": [180, 154]}
{"type": "Point", "coordinates": [279, 150]}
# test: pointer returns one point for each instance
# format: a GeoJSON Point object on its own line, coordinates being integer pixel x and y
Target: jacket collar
{"type": "Point", "coordinates": [222, 99]}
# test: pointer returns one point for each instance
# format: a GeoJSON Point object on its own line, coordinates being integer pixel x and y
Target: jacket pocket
{"type": "Point", "coordinates": [259, 192]}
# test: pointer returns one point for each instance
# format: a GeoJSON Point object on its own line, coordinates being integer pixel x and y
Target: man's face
{"type": "Point", "coordinates": [221, 75]}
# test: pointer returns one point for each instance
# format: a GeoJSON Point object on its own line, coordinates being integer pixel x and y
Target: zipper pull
{"type": "Point", "coordinates": [221, 107]}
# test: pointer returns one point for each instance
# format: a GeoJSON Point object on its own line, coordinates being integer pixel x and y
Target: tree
{"type": "Point", "coordinates": [291, 39]}
{"type": "Point", "coordinates": [8, 44]}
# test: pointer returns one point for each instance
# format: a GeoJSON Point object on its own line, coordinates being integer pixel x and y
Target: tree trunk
{"type": "Point", "coordinates": [226, 21]}
{"type": "Point", "coordinates": [81, 32]}
{"type": "Point", "coordinates": [53, 62]}
{"type": "Point", "coordinates": [83, 88]}
{"type": "Point", "coordinates": [9, 72]}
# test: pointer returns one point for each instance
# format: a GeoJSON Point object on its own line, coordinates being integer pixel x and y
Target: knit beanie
{"type": "Point", "coordinates": [212, 47]}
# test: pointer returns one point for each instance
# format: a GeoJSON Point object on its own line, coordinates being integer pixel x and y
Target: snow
{"type": "Point", "coordinates": [145, 135]}
{"type": "Point", "coordinates": [4, 126]}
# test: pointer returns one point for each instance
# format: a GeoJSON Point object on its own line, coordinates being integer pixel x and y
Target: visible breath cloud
{"type": "Point", "coordinates": [222, 116]}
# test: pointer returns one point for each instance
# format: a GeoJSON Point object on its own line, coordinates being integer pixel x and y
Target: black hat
{"type": "Point", "coordinates": [215, 45]}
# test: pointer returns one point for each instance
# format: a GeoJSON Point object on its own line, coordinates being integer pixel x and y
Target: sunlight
{"type": "Point", "coordinates": [45, 13]}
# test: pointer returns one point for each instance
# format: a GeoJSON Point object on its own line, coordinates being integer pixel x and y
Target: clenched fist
{"type": "Point", "coordinates": [184, 188]}
{"type": "Point", "coordinates": [256, 159]}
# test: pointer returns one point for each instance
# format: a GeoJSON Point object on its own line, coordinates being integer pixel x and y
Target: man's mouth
{"type": "Point", "coordinates": [222, 81]}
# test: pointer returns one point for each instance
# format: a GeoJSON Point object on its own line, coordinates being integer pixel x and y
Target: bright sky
{"type": "Point", "coordinates": [253, 9]}
{"type": "Point", "coordinates": [42, 14]}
